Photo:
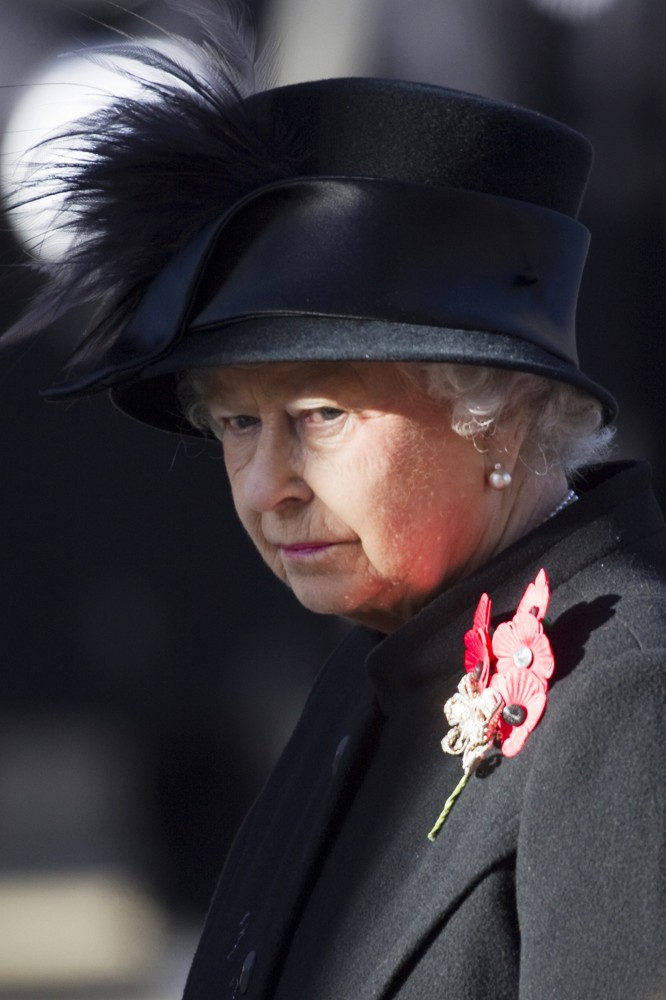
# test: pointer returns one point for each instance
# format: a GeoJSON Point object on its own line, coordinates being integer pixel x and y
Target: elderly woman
{"type": "Point", "coordinates": [365, 290]}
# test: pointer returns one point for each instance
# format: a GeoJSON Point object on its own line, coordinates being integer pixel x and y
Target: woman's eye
{"type": "Point", "coordinates": [242, 422]}
{"type": "Point", "coordinates": [324, 414]}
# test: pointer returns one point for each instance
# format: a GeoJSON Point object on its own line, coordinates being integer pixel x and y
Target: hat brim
{"type": "Point", "coordinates": [151, 397]}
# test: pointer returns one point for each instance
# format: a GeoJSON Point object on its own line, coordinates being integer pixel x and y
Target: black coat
{"type": "Point", "coordinates": [548, 878]}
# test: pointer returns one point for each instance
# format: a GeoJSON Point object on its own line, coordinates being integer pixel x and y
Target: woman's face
{"type": "Point", "coordinates": [352, 485]}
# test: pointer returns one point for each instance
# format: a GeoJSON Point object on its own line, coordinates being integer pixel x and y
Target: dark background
{"type": "Point", "coordinates": [151, 669]}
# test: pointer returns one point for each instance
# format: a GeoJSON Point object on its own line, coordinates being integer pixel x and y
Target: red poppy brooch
{"type": "Point", "coordinates": [503, 692]}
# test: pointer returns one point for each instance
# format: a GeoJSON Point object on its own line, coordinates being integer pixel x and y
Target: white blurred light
{"type": "Point", "coordinates": [73, 929]}
{"type": "Point", "coordinates": [573, 10]}
{"type": "Point", "coordinates": [72, 87]}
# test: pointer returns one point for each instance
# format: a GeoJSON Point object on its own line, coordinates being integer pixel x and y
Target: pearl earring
{"type": "Point", "coordinates": [499, 479]}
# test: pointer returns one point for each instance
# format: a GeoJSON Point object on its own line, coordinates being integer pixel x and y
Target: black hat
{"type": "Point", "coordinates": [407, 223]}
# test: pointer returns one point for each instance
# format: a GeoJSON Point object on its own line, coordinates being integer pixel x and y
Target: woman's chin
{"type": "Point", "coordinates": [323, 603]}
{"type": "Point", "coordinates": [355, 608]}
{"type": "Point", "coordinates": [329, 598]}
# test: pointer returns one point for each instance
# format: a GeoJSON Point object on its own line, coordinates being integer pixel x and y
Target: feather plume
{"type": "Point", "coordinates": [140, 177]}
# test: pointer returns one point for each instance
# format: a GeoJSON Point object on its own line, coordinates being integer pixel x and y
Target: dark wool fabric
{"type": "Point", "coordinates": [548, 878]}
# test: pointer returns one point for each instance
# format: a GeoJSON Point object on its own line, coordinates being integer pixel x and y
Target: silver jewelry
{"type": "Point", "coordinates": [570, 497]}
{"type": "Point", "coordinates": [498, 478]}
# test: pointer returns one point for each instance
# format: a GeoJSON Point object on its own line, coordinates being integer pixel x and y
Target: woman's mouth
{"type": "Point", "coordinates": [304, 550]}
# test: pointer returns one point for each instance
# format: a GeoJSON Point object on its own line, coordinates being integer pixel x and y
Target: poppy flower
{"type": "Point", "coordinates": [522, 643]}
{"type": "Point", "coordinates": [524, 698]}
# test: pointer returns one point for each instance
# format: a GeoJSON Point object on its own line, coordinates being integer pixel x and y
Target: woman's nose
{"type": "Point", "coordinates": [274, 474]}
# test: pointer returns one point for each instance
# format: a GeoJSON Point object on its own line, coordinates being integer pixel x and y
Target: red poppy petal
{"type": "Point", "coordinates": [518, 686]}
{"type": "Point", "coordinates": [526, 628]}
{"type": "Point", "coordinates": [482, 613]}
{"type": "Point", "coordinates": [473, 650]}
{"type": "Point", "coordinates": [543, 663]}
{"type": "Point", "coordinates": [536, 596]}
{"type": "Point", "coordinates": [477, 655]}
{"type": "Point", "coordinates": [504, 640]}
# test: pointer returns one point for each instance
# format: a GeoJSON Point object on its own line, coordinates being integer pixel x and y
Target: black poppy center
{"type": "Point", "coordinates": [514, 714]}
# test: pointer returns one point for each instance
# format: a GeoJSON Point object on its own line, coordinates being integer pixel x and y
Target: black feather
{"type": "Point", "coordinates": [140, 177]}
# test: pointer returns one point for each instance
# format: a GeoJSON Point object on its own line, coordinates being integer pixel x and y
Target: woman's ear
{"type": "Point", "coordinates": [502, 449]}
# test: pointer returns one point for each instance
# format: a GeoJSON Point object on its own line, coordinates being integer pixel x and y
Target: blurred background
{"type": "Point", "coordinates": [151, 670]}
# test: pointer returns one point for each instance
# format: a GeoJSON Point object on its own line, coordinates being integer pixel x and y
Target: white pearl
{"type": "Point", "coordinates": [499, 480]}
{"type": "Point", "coordinates": [523, 656]}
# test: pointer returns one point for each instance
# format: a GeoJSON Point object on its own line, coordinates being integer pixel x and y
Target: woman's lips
{"type": "Point", "coordinates": [301, 550]}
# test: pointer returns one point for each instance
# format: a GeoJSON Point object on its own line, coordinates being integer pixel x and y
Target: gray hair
{"type": "Point", "coordinates": [564, 425]}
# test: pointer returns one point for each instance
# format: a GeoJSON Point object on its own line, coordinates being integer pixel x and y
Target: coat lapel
{"type": "Point", "coordinates": [281, 846]}
{"type": "Point", "coordinates": [479, 835]}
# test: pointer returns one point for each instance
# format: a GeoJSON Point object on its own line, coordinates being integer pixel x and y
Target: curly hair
{"type": "Point", "coordinates": [564, 425]}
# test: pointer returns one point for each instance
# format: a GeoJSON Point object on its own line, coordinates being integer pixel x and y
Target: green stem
{"type": "Point", "coordinates": [448, 805]}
